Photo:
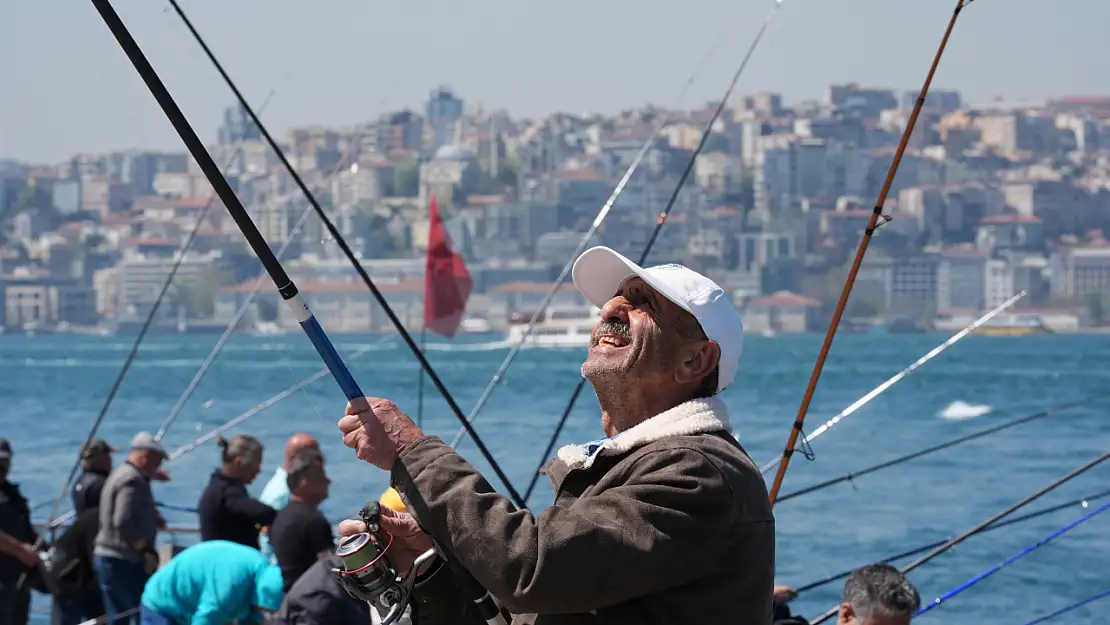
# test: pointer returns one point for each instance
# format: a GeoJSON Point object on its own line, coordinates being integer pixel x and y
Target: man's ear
{"type": "Point", "coordinates": [699, 360]}
{"type": "Point", "coordinates": [847, 615]}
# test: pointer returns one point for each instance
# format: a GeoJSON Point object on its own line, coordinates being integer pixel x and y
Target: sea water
{"type": "Point", "coordinates": [53, 387]}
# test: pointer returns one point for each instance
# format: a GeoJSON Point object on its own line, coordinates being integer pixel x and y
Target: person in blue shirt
{"type": "Point", "coordinates": [276, 492]}
{"type": "Point", "coordinates": [213, 583]}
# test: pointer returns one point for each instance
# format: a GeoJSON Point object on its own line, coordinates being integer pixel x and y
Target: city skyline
{"type": "Point", "coordinates": [810, 46]}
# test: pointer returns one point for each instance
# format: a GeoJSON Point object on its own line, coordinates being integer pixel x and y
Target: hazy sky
{"type": "Point", "coordinates": [67, 87]}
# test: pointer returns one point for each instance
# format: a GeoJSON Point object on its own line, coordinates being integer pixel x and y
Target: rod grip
{"type": "Point", "coordinates": [324, 347]}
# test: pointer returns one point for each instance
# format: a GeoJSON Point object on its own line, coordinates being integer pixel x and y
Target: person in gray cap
{"type": "Point", "coordinates": [664, 520]}
{"type": "Point", "coordinates": [17, 556]}
{"type": "Point", "coordinates": [96, 464]}
{"type": "Point", "coordinates": [129, 523]}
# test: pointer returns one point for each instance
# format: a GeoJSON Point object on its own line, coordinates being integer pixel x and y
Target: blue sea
{"type": "Point", "coordinates": [54, 386]}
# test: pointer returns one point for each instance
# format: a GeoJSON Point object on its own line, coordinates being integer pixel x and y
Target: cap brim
{"type": "Point", "coordinates": [600, 271]}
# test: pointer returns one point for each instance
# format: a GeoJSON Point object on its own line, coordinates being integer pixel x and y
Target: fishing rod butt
{"type": "Point", "coordinates": [324, 347]}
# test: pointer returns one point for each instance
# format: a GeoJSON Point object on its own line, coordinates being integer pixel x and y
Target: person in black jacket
{"type": "Point", "coordinates": [318, 599]}
{"type": "Point", "coordinates": [17, 556]}
{"type": "Point", "coordinates": [226, 510]}
{"type": "Point", "coordinates": [79, 598]}
{"type": "Point", "coordinates": [96, 464]}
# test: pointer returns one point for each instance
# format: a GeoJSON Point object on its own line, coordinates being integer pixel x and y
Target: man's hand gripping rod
{"type": "Point", "coordinates": [369, 574]}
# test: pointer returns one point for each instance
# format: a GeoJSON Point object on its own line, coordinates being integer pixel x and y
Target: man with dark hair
{"type": "Point", "coordinates": [664, 520]}
{"type": "Point", "coordinates": [17, 555]}
{"type": "Point", "coordinates": [878, 594]}
{"type": "Point", "coordinates": [318, 599]}
{"type": "Point", "coordinates": [96, 464]}
{"type": "Point", "coordinates": [276, 492]}
{"type": "Point", "coordinates": [301, 535]}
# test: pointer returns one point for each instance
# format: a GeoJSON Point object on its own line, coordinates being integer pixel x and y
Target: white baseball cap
{"type": "Point", "coordinates": [600, 271]}
{"type": "Point", "coordinates": [146, 441]}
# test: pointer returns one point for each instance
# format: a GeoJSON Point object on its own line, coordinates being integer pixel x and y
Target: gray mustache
{"type": "Point", "coordinates": [615, 328]}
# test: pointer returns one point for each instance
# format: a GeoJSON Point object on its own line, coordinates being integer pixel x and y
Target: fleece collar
{"type": "Point", "coordinates": [698, 416]}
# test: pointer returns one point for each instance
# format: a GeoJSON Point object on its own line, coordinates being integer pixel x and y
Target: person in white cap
{"type": "Point", "coordinates": [664, 520]}
{"type": "Point", "coordinates": [129, 524]}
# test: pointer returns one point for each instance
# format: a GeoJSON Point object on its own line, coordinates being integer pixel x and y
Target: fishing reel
{"type": "Point", "coordinates": [368, 572]}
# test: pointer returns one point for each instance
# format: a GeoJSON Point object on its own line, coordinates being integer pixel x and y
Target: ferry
{"type": "Point", "coordinates": [1002, 325]}
{"type": "Point", "coordinates": [475, 325]}
{"type": "Point", "coordinates": [558, 327]}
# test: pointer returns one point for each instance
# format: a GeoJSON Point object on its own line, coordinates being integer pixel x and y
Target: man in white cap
{"type": "Point", "coordinates": [129, 524]}
{"type": "Point", "coordinates": [664, 520]}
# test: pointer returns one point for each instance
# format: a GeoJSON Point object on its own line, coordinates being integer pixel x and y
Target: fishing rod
{"type": "Point", "coordinates": [335, 170]}
{"type": "Point", "coordinates": [299, 385]}
{"type": "Point", "coordinates": [982, 526]}
{"type": "Point", "coordinates": [861, 402]}
{"type": "Point", "coordinates": [1048, 412]}
{"type": "Point", "coordinates": [872, 224]}
{"type": "Point", "coordinates": [498, 376]}
{"type": "Point", "coordinates": [1014, 558]}
{"type": "Point", "coordinates": [342, 243]}
{"type": "Point", "coordinates": [1083, 502]}
{"type": "Point", "coordinates": [226, 336]}
{"type": "Point", "coordinates": [184, 449]}
{"type": "Point", "coordinates": [132, 354]}
{"type": "Point", "coordinates": [662, 219]}
{"type": "Point", "coordinates": [1074, 606]}
{"type": "Point", "coordinates": [379, 583]}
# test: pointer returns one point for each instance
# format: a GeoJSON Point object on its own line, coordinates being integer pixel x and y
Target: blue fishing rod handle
{"type": "Point", "coordinates": [332, 360]}
{"type": "Point", "coordinates": [323, 345]}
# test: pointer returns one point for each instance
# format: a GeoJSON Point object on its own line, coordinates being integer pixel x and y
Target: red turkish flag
{"type": "Point", "coordinates": [447, 283]}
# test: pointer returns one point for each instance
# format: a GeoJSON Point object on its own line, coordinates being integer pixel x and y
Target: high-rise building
{"type": "Point", "coordinates": [238, 126]}
{"type": "Point", "coordinates": [442, 112]}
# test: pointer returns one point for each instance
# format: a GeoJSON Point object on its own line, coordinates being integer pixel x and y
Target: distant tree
{"type": "Point", "coordinates": [507, 172]}
{"type": "Point", "coordinates": [198, 295]}
{"type": "Point", "coordinates": [1096, 306]}
{"type": "Point", "coordinates": [406, 178]}
{"type": "Point", "coordinates": [865, 307]}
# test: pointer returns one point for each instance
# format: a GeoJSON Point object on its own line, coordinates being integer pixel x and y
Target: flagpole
{"type": "Point", "coordinates": [420, 385]}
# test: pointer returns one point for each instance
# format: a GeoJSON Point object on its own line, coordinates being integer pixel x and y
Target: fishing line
{"type": "Point", "coordinates": [147, 323]}
{"type": "Point", "coordinates": [231, 327]}
{"type": "Point", "coordinates": [1008, 561]}
{"type": "Point", "coordinates": [184, 449]}
{"type": "Point", "coordinates": [878, 390]}
{"type": "Point", "coordinates": [1048, 412]}
{"type": "Point", "coordinates": [664, 119]}
{"type": "Point", "coordinates": [661, 220]}
{"type": "Point", "coordinates": [335, 170]}
{"type": "Point", "coordinates": [877, 219]}
{"type": "Point", "coordinates": [303, 382]}
{"type": "Point", "coordinates": [1083, 502]}
{"type": "Point", "coordinates": [342, 243]}
{"type": "Point", "coordinates": [982, 526]}
{"type": "Point", "coordinates": [1069, 608]}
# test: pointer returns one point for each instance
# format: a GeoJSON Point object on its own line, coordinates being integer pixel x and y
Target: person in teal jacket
{"type": "Point", "coordinates": [213, 583]}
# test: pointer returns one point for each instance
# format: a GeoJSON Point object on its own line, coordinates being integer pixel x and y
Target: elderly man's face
{"type": "Point", "coordinates": [638, 338]}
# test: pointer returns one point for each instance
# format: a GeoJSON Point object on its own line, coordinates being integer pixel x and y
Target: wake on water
{"type": "Point", "coordinates": [960, 410]}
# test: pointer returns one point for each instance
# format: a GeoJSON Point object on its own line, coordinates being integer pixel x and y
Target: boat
{"type": "Point", "coordinates": [557, 327]}
{"type": "Point", "coordinates": [267, 328]}
{"type": "Point", "coordinates": [1034, 326]}
{"type": "Point", "coordinates": [1015, 324]}
{"type": "Point", "coordinates": [475, 325]}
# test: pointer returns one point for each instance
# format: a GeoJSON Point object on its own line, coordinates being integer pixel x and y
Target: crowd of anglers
{"type": "Point", "coordinates": [266, 559]}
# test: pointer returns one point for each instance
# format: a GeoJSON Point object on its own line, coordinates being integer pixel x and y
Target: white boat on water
{"type": "Point", "coordinates": [557, 327]}
{"type": "Point", "coordinates": [475, 325]}
{"type": "Point", "coordinates": [267, 328]}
